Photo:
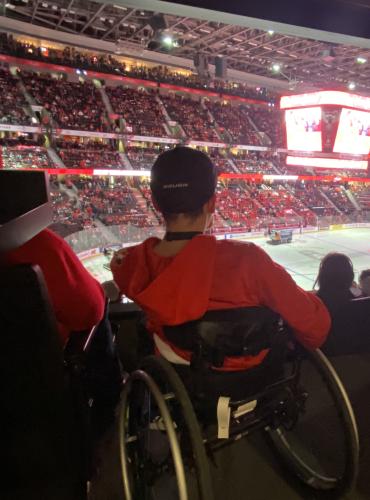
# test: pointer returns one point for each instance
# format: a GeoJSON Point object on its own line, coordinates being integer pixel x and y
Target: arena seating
{"type": "Point", "coordinates": [68, 210]}
{"type": "Point", "coordinates": [236, 207]}
{"type": "Point", "coordinates": [278, 202]}
{"type": "Point", "coordinates": [12, 102]}
{"type": "Point", "coordinates": [221, 160]}
{"type": "Point", "coordinates": [140, 110]}
{"type": "Point", "coordinates": [90, 154]}
{"type": "Point", "coordinates": [338, 196]}
{"type": "Point", "coordinates": [112, 205]}
{"type": "Point", "coordinates": [71, 56]}
{"type": "Point", "coordinates": [72, 105]}
{"type": "Point", "coordinates": [269, 122]}
{"type": "Point", "coordinates": [233, 122]}
{"type": "Point", "coordinates": [311, 196]}
{"type": "Point", "coordinates": [362, 195]}
{"type": "Point", "coordinates": [25, 157]}
{"type": "Point", "coordinates": [142, 158]}
{"type": "Point", "coordinates": [192, 117]}
{"type": "Point", "coordinates": [248, 162]}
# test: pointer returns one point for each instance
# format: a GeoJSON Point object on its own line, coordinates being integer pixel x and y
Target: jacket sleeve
{"type": "Point", "coordinates": [78, 299]}
{"type": "Point", "coordinates": [302, 310]}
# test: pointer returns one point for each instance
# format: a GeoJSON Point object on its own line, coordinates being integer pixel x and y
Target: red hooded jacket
{"type": "Point", "coordinates": [210, 274]}
{"type": "Point", "coordinates": [77, 298]}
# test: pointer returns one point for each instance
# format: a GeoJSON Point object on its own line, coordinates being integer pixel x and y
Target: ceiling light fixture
{"type": "Point", "coordinates": [361, 60]}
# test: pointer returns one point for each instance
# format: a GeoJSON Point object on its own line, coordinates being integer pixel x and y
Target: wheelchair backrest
{"type": "Point", "coordinates": [37, 421]}
{"type": "Point", "coordinates": [228, 332]}
{"type": "Point", "coordinates": [350, 331]}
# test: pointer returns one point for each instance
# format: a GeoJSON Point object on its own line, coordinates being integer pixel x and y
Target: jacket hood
{"type": "Point", "coordinates": [171, 290]}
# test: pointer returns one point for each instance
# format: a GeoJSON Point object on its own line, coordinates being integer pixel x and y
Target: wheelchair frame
{"type": "Point", "coordinates": [157, 373]}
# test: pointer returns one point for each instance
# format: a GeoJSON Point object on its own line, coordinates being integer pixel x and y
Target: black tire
{"type": "Point", "coordinates": [162, 371]}
{"type": "Point", "coordinates": [324, 486]}
{"type": "Point", "coordinates": [135, 481]}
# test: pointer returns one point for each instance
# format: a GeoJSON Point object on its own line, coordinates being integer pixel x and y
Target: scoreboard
{"type": "Point", "coordinates": [327, 129]}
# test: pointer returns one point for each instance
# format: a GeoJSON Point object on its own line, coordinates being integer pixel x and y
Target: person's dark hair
{"type": "Point", "coordinates": [170, 218]}
{"type": "Point", "coordinates": [364, 274]}
{"type": "Point", "coordinates": [335, 273]}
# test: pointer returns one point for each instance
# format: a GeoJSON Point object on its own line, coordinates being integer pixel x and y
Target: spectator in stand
{"type": "Point", "coordinates": [335, 280]}
{"type": "Point", "coordinates": [77, 298]}
{"type": "Point", "coordinates": [107, 63]}
{"type": "Point", "coordinates": [179, 278]}
{"type": "Point", "coordinates": [364, 282]}
{"type": "Point", "coordinates": [76, 106]}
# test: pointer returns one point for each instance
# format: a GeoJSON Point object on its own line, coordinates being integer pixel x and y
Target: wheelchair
{"type": "Point", "coordinates": [173, 418]}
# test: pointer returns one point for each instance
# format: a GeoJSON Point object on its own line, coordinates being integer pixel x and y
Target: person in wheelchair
{"type": "Point", "coordinates": [179, 278]}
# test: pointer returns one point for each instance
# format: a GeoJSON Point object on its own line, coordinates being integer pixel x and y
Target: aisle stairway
{"type": "Point", "coordinates": [329, 200]}
{"type": "Point", "coordinates": [142, 203]}
{"type": "Point", "coordinates": [55, 158]}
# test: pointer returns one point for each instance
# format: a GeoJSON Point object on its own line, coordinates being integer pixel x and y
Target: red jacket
{"type": "Point", "coordinates": [209, 274]}
{"type": "Point", "coordinates": [77, 298]}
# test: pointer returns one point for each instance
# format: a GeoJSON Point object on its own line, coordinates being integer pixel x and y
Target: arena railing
{"type": "Point", "coordinates": [91, 241]}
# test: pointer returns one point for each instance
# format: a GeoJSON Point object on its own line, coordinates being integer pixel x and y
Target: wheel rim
{"type": "Point", "coordinates": [339, 440]}
{"type": "Point", "coordinates": [168, 427]}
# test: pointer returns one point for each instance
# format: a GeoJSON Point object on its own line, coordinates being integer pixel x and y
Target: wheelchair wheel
{"type": "Point", "coordinates": [187, 426]}
{"type": "Point", "coordinates": [320, 446]}
{"type": "Point", "coordinates": [143, 406]}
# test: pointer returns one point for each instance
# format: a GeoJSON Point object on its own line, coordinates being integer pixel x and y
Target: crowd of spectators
{"type": "Point", "coordinates": [12, 103]}
{"type": "Point", "coordinates": [19, 157]}
{"type": "Point", "coordinates": [250, 162]}
{"type": "Point", "coordinates": [89, 154]}
{"type": "Point", "coordinates": [269, 121]}
{"type": "Point", "coordinates": [192, 116]}
{"type": "Point", "coordinates": [107, 63]}
{"type": "Point", "coordinates": [67, 210]}
{"type": "Point", "coordinates": [361, 193]}
{"type": "Point", "coordinates": [142, 158]}
{"type": "Point", "coordinates": [337, 195]}
{"type": "Point", "coordinates": [241, 205]}
{"type": "Point", "coordinates": [236, 206]}
{"type": "Point", "coordinates": [112, 204]}
{"type": "Point", "coordinates": [76, 106]}
{"type": "Point", "coordinates": [221, 160]}
{"type": "Point", "coordinates": [140, 110]}
{"type": "Point", "coordinates": [311, 195]}
{"type": "Point", "coordinates": [276, 201]}
{"type": "Point", "coordinates": [233, 123]}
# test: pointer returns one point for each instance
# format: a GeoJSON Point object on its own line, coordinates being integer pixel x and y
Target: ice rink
{"type": "Point", "coordinates": [301, 258]}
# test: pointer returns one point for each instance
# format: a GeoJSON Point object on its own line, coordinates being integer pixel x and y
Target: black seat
{"type": "Point", "coordinates": [42, 448]}
{"type": "Point", "coordinates": [229, 333]}
{"type": "Point", "coordinates": [350, 331]}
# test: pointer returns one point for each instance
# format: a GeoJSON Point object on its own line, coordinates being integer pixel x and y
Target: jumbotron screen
{"type": "Point", "coordinates": [303, 128]}
{"type": "Point", "coordinates": [327, 129]}
{"type": "Point", "coordinates": [353, 135]}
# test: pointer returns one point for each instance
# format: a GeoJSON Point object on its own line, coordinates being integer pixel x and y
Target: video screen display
{"type": "Point", "coordinates": [336, 163]}
{"type": "Point", "coordinates": [303, 128]}
{"type": "Point", "coordinates": [353, 136]}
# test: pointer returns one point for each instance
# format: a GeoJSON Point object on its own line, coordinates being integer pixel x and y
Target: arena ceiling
{"type": "Point", "coordinates": [265, 53]}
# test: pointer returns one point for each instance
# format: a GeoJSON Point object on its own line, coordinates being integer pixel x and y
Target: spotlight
{"type": "Point", "coordinates": [271, 32]}
{"type": "Point", "coordinates": [351, 85]}
{"type": "Point", "coordinates": [276, 67]}
{"type": "Point", "coordinates": [167, 40]}
{"type": "Point", "coordinates": [361, 60]}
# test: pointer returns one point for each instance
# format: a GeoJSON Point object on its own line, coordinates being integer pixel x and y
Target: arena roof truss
{"type": "Point", "coordinates": [264, 53]}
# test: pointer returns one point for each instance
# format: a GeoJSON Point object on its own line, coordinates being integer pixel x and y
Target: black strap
{"type": "Point", "coordinates": [175, 236]}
